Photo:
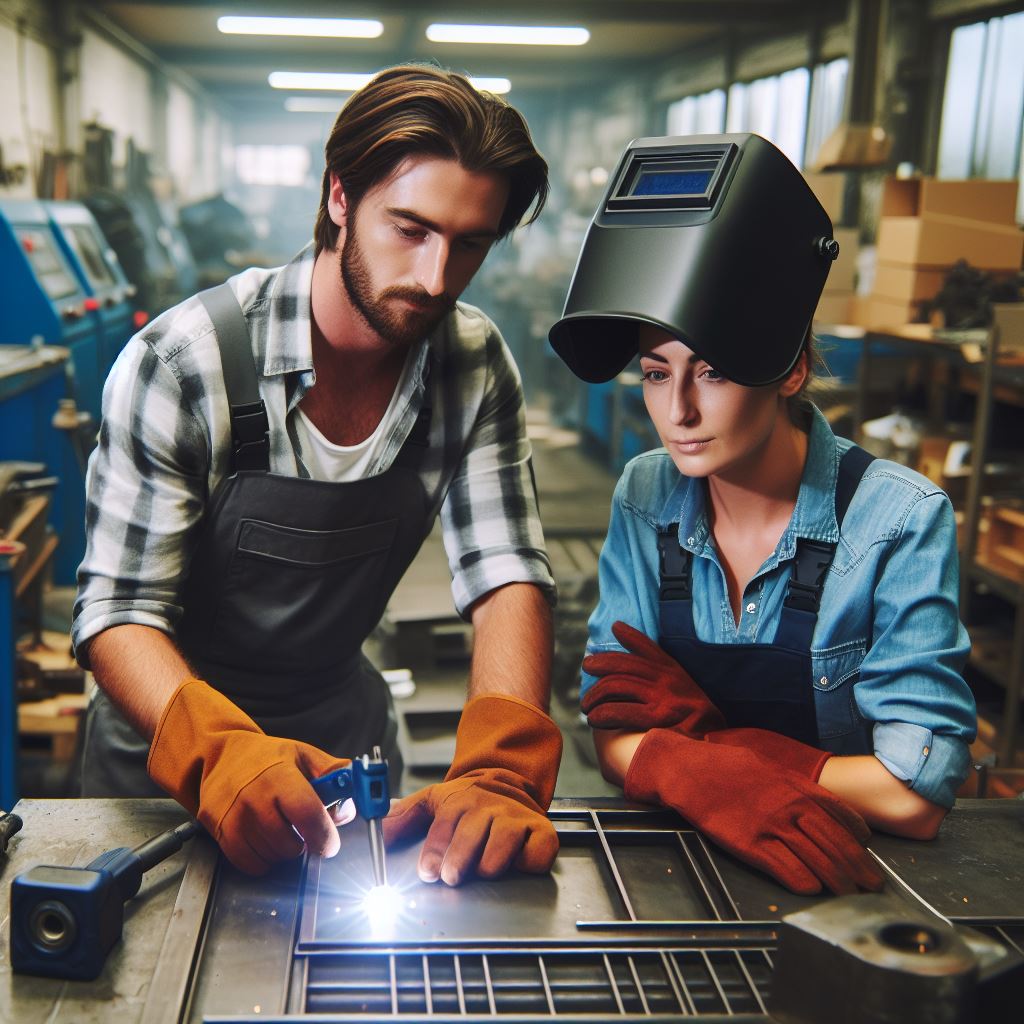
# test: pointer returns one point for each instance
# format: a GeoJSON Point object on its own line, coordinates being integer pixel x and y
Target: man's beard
{"type": "Point", "coordinates": [399, 326]}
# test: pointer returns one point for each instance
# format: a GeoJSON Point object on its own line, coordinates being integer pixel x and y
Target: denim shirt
{"type": "Point", "coordinates": [888, 647]}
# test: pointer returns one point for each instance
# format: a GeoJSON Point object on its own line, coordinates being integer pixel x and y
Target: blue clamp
{"type": "Point", "coordinates": [365, 781]}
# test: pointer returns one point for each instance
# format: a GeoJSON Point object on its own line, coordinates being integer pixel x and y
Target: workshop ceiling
{"type": "Point", "coordinates": [623, 33]}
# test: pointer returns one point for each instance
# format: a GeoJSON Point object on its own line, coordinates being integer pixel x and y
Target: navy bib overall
{"type": "Point", "coordinates": [768, 686]}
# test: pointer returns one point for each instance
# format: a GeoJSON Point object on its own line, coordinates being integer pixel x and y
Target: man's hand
{"type": "Point", "coordinates": [249, 790]}
{"type": "Point", "coordinates": [645, 688]}
{"type": "Point", "coordinates": [775, 820]}
{"type": "Point", "coordinates": [489, 814]}
{"type": "Point", "coordinates": [648, 689]}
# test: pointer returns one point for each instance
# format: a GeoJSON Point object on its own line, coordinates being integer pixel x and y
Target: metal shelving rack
{"type": "Point", "coordinates": [972, 574]}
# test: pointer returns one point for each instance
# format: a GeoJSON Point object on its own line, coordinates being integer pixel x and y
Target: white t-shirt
{"type": "Point", "coordinates": [337, 463]}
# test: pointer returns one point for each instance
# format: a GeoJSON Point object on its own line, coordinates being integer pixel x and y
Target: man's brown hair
{"type": "Point", "coordinates": [412, 110]}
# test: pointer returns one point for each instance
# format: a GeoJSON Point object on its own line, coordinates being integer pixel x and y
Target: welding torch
{"type": "Point", "coordinates": [365, 782]}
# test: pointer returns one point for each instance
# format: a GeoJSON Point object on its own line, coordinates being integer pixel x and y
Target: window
{"type": "Point", "coordinates": [983, 104]}
{"type": "Point", "coordinates": [271, 165]}
{"type": "Point", "coordinates": [698, 115]}
{"type": "Point", "coordinates": [775, 107]}
{"type": "Point", "coordinates": [828, 96]}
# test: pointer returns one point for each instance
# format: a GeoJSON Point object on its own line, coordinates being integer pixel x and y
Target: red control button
{"type": "Point", "coordinates": [92, 304]}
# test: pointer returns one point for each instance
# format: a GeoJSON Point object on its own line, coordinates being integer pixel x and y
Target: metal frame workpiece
{"type": "Point", "coordinates": [640, 917]}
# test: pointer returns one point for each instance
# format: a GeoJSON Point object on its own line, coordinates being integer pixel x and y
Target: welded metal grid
{"type": "Point", "coordinates": [604, 982]}
{"type": "Point", "coordinates": [712, 965]}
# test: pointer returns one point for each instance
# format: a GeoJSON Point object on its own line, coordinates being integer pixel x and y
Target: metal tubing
{"type": "Point", "coordinates": [1014, 689]}
{"type": "Point", "coordinates": [979, 446]}
{"type": "Point", "coordinates": [612, 866]}
{"type": "Point", "coordinates": [9, 552]}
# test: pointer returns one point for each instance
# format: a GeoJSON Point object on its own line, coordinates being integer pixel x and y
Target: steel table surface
{"type": "Point", "coordinates": [254, 931]}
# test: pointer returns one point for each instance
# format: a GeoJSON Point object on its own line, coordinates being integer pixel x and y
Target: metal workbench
{"type": "Point", "coordinates": [639, 918]}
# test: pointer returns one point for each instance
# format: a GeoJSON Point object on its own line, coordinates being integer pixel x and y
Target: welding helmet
{"type": "Point", "coordinates": [717, 239]}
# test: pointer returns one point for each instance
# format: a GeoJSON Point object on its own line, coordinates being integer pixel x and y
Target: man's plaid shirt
{"type": "Point", "coordinates": [164, 446]}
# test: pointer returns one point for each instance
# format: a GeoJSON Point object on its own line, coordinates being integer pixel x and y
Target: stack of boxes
{"type": "Point", "coordinates": [928, 225]}
{"type": "Point", "coordinates": [837, 301]}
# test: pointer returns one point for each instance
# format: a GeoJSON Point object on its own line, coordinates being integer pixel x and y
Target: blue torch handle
{"type": "Point", "coordinates": [365, 781]}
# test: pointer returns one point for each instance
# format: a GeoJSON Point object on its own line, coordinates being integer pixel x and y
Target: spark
{"type": "Point", "coordinates": [382, 906]}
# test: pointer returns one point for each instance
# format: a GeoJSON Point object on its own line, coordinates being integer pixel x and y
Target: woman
{"type": "Point", "coordinates": [806, 675]}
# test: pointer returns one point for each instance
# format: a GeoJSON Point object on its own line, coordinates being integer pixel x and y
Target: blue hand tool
{"type": "Point", "coordinates": [64, 921]}
{"type": "Point", "coordinates": [365, 782]}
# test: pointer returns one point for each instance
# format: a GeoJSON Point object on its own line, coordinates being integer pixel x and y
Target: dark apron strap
{"type": "Point", "coordinates": [803, 591]}
{"type": "Point", "coordinates": [250, 428]}
{"type": "Point", "coordinates": [675, 594]}
{"type": "Point", "coordinates": [813, 559]}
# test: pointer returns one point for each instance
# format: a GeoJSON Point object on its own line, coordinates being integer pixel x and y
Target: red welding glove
{"type": "Point", "coordinates": [647, 689]}
{"type": "Point", "coordinates": [777, 821]}
{"type": "Point", "coordinates": [250, 791]}
{"type": "Point", "coordinates": [489, 814]}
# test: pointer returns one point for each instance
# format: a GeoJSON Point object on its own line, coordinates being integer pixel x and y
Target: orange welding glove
{"type": "Point", "coordinates": [647, 688]}
{"type": "Point", "coordinates": [250, 791]}
{"type": "Point", "coordinates": [777, 821]}
{"type": "Point", "coordinates": [489, 813]}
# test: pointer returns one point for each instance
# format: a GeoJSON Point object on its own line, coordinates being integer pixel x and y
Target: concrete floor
{"type": "Point", "coordinates": [422, 633]}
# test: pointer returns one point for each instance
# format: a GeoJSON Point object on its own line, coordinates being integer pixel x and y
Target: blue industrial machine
{"type": "Point", "coordinates": [43, 297]}
{"type": "Point", "coordinates": [96, 265]}
{"type": "Point", "coordinates": [46, 305]}
{"type": "Point", "coordinates": [150, 245]}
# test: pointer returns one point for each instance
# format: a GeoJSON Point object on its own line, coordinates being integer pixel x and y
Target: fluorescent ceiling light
{"type": "Point", "coordinates": [348, 82]}
{"type": "Point", "coordinates": [312, 105]}
{"type": "Point", "coordinates": [338, 81]}
{"type": "Point", "coordinates": [509, 35]}
{"type": "Point", "coordinates": [333, 27]}
{"type": "Point", "coordinates": [497, 85]}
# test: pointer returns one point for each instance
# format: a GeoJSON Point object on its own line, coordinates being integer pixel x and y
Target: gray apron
{"type": "Point", "coordinates": [289, 577]}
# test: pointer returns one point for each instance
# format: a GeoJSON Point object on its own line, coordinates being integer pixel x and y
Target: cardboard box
{"type": "Point", "coordinates": [994, 202]}
{"type": "Point", "coordinates": [938, 240]}
{"type": "Point", "coordinates": [1008, 317]}
{"type": "Point", "coordinates": [835, 308]}
{"type": "Point", "coordinates": [907, 283]}
{"type": "Point", "coordinates": [1002, 549]}
{"type": "Point", "coordinates": [881, 314]}
{"type": "Point", "coordinates": [829, 188]}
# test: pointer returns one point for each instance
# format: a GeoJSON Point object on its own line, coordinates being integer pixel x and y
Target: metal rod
{"type": "Point", "coordinates": [639, 986]}
{"type": "Point", "coordinates": [691, 1006]}
{"type": "Point", "coordinates": [183, 940]}
{"type": "Point", "coordinates": [487, 983]}
{"type": "Point", "coordinates": [427, 984]}
{"type": "Point", "coordinates": [614, 984]}
{"type": "Point", "coordinates": [547, 985]}
{"type": "Point", "coordinates": [394, 984]}
{"type": "Point", "coordinates": [670, 975]}
{"type": "Point", "coordinates": [699, 839]}
{"type": "Point", "coordinates": [979, 447]}
{"type": "Point", "coordinates": [906, 887]}
{"type": "Point", "coordinates": [612, 866]}
{"type": "Point", "coordinates": [1010, 942]}
{"type": "Point", "coordinates": [727, 1006]}
{"type": "Point", "coordinates": [458, 984]}
{"type": "Point", "coordinates": [750, 981]}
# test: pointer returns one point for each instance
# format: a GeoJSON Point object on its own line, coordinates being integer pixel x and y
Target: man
{"type": "Point", "coordinates": [271, 459]}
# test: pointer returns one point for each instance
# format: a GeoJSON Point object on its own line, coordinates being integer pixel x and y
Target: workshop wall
{"type": "Point", "coordinates": [29, 115]}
